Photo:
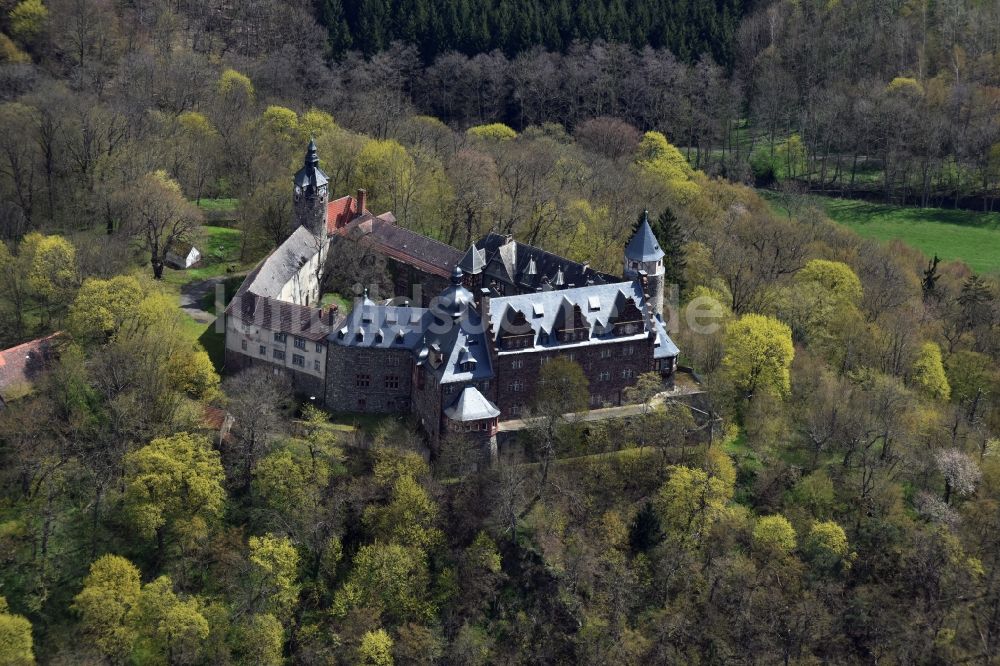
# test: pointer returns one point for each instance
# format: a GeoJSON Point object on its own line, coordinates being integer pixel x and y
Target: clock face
{"type": "Point", "coordinates": [298, 192]}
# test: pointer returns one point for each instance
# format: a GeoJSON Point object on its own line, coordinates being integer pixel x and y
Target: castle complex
{"type": "Point", "coordinates": [467, 352]}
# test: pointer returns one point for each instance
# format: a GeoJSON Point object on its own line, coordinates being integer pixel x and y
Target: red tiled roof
{"type": "Point", "coordinates": [340, 212]}
{"type": "Point", "coordinates": [213, 417]}
{"type": "Point", "coordinates": [21, 365]}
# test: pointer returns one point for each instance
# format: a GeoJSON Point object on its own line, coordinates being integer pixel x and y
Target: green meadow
{"type": "Point", "coordinates": [951, 234]}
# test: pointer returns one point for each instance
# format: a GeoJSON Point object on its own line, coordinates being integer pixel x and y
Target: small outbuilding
{"type": "Point", "coordinates": [183, 255]}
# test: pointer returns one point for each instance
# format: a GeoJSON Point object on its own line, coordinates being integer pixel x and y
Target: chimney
{"type": "Point", "coordinates": [362, 200]}
{"type": "Point", "coordinates": [484, 305]}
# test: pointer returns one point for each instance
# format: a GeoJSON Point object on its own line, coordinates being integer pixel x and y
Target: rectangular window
{"type": "Point", "coordinates": [362, 380]}
{"type": "Point", "coordinates": [280, 337]}
{"type": "Point", "coordinates": [391, 382]}
{"type": "Point", "coordinates": [316, 365]}
{"type": "Point", "coordinates": [628, 350]}
{"type": "Point", "coordinates": [515, 410]}
{"type": "Point", "coordinates": [606, 352]}
{"type": "Point", "coordinates": [299, 360]}
{"type": "Point", "coordinates": [243, 345]}
{"type": "Point", "coordinates": [517, 364]}
{"type": "Point", "coordinates": [319, 347]}
{"type": "Point", "coordinates": [628, 373]}
{"type": "Point", "coordinates": [604, 376]}
{"type": "Point", "coordinates": [300, 344]}
{"type": "Point", "coordinates": [279, 355]}
{"type": "Point", "coordinates": [263, 350]}
{"type": "Point", "coordinates": [516, 386]}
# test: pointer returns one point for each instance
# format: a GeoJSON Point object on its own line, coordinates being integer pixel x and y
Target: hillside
{"type": "Point", "coordinates": [829, 496]}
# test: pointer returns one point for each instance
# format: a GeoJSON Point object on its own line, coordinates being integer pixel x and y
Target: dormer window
{"type": "Point", "coordinates": [359, 335]}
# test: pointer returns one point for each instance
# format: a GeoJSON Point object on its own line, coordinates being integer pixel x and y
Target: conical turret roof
{"type": "Point", "coordinates": [643, 246]}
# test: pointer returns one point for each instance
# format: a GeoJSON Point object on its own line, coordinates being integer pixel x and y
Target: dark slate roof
{"type": "Point", "coordinates": [455, 300]}
{"type": "Point", "coordinates": [281, 265]}
{"type": "Point", "coordinates": [406, 246]}
{"type": "Point", "coordinates": [382, 326]}
{"type": "Point", "coordinates": [459, 342]}
{"type": "Point", "coordinates": [310, 175]}
{"type": "Point", "coordinates": [598, 304]}
{"type": "Point", "coordinates": [21, 365]}
{"type": "Point", "coordinates": [471, 405]}
{"type": "Point", "coordinates": [274, 315]}
{"type": "Point", "coordinates": [474, 261]}
{"type": "Point", "coordinates": [530, 268]}
{"type": "Point", "coordinates": [643, 246]}
{"type": "Point", "coordinates": [664, 347]}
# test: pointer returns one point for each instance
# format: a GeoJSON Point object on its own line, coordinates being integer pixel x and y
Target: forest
{"type": "Point", "coordinates": [841, 505]}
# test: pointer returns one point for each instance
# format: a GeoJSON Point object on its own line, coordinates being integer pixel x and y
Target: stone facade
{"type": "Point", "coordinates": [610, 368]}
{"type": "Point", "coordinates": [370, 380]}
{"type": "Point", "coordinates": [413, 284]}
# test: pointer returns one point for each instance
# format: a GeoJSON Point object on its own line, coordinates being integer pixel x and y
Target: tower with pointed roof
{"type": "Point", "coordinates": [643, 253]}
{"type": "Point", "coordinates": [311, 194]}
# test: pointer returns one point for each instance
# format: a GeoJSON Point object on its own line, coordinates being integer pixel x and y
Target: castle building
{"type": "Point", "coordinates": [466, 355]}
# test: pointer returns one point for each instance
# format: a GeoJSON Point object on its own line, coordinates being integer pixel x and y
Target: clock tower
{"type": "Point", "coordinates": [311, 194]}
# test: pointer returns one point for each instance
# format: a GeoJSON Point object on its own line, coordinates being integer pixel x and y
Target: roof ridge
{"type": "Point", "coordinates": [413, 231]}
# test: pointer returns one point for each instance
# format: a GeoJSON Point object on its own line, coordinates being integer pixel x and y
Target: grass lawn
{"type": "Point", "coordinates": [336, 299]}
{"type": "Point", "coordinates": [218, 205]}
{"type": "Point", "coordinates": [220, 250]}
{"type": "Point", "coordinates": [951, 234]}
{"type": "Point", "coordinates": [351, 421]}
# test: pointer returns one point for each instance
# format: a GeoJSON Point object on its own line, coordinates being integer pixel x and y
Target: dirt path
{"type": "Point", "coordinates": [195, 294]}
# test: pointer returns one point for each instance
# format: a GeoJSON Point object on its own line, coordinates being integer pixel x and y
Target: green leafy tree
{"type": "Point", "coordinates": [110, 593]}
{"type": "Point", "coordinates": [171, 629]}
{"type": "Point", "coordinates": [389, 579]}
{"type": "Point", "coordinates": [273, 572]}
{"type": "Point", "coordinates": [28, 19]}
{"type": "Point", "coordinates": [16, 645]}
{"type": "Point", "coordinates": [260, 640]}
{"type": "Point", "coordinates": [173, 487]}
{"type": "Point", "coordinates": [375, 649]}
{"type": "Point", "coordinates": [492, 132]}
{"type": "Point", "coordinates": [409, 518]}
{"type": "Point", "coordinates": [693, 499]}
{"type": "Point", "coordinates": [758, 355]}
{"type": "Point", "coordinates": [927, 372]}
{"type": "Point", "coordinates": [102, 307]}
{"type": "Point", "coordinates": [659, 159]}
{"type": "Point", "coordinates": [826, 545]}
{"type": "Point", "coordinates": [53, 275]}
{"type": "Point", "coordinates": [774, 535]}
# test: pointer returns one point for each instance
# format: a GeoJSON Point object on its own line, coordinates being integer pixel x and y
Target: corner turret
{"type": "Point", "coordinates": [643, 253]}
